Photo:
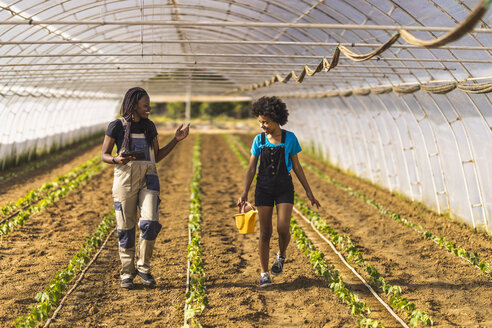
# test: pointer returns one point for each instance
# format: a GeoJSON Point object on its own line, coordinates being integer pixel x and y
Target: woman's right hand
{"type": "Point", "coordinates": [241, 200]}
{"type": "Point", "coordinates": [123, 160]}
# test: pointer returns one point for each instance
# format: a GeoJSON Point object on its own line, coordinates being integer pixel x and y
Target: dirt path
{"type": "Point", "coordinates": [297, 298]}
{"type": "Point", "coordinates": [13, 189]}
{"type": "Point", "coordinates": [31, 255]}
{"type": "Point", "coordinates": [440, 225]}
{"type": "Point", "coordinates": [100, 301]}
{"type": "Point", "coordinates": [449, 289]}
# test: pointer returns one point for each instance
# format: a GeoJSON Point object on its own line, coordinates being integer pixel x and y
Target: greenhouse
{"type": "Point", "coordinates": [389, 101]}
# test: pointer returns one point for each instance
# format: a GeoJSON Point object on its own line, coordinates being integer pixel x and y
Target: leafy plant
{"type": "Point", "coordinates": [337, 285]}
{"type": "Point", "coordinates": [47, 194]}
{"type": "Point", "coordinates": [195, 298]}
{"type": "Point", "coordinates": [50, 297]}
{"type": "Point", "coordinates": [70, 149]}
{"type": "Point", "coordinates": [471, 257]}
{"type": "Point", "coordinates": [344, 243]}
{"type": "Point", "coordinates": [321, 267]}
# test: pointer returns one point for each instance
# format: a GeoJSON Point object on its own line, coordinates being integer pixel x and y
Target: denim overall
{"type": "Point", "coordinates": [273, 177]}
{"type": "Point", "coordinates": [136, 186]}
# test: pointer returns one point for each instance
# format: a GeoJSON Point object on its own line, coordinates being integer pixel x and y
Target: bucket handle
{"type": "Point", "coordinates": [241, 208]}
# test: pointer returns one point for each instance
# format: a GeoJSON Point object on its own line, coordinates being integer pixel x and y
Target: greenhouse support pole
{"type": "Point", "coordinates": [4, 114]}
{"type": "Point", "coordinates": [380, 139]}
{"type": "Point", "coordinates": [402, 146]}
{"type": "Point", "coordinates": [460, 157]}
{"type": "Point", "coordinates": [342, 129]}
{"type": "Point", "coordinates": [188, 108]}
{"type": "Point", "coordinates": [240, 42]}
{"type": "Point", "coordinates": [436, 193]}
{"type": "Point", "coordinates": [470, 161]}
{"type": "Point", "coordinates": [249, 24]}
{"type": "Point", "coordinates": [12, 128]}
{"type": "Point", "coordinates": [307, 120]}
{"type": "Point", "coordinates": [324, 132]}
{"type": "Point", "coordinates": [360, 134]}
{"type": "Point", "coordinates": [314, 127]}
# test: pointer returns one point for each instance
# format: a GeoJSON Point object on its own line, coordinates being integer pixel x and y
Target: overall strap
{"type": "Point", "coordinates": [284, 133]}
{"type": "Point", "coordinates": [123, 123]}
{"type": "Point", "coordinates": [263, 138]}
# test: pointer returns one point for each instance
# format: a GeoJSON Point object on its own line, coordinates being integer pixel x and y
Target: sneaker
{"type": "Point", "coordinates": [127, 283]}
{"type": "Point", "coordinates": [265, 280]}
{"type": "Point", "coordinates": [147, 278]}
{"type": "Point", "coordinates": [278, 264]}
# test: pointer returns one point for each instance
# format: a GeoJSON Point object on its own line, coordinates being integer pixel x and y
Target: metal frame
{"type": "Point", "coordinates": [58, 55]}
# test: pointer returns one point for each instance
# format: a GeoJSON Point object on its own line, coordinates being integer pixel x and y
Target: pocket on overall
{"type": "Point", "coordinates": [122, 178]}
{"type": "Point", "coordinates": [139, 144]}
{"type": "Point", "coordinates": [265, 184]}
{"type": "Point", "coordinates": [285, 183]}
{"type": "Point", "coordinates": [152, 182]}
{"type": "Point", "coordinates": [118, 212]}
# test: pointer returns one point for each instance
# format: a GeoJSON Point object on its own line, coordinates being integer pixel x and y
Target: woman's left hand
{"type": "Point", "coordinates": [312, 199]}
{"type": "Point", "coordinates": [181, 132]}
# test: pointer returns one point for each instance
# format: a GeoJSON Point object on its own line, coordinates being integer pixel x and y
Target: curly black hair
{"type": "Point", "coordinates": [272, 107]}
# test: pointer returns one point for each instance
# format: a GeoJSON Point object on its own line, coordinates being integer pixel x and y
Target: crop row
{"type": "Point", "coordinates": [471, 257]}
{"type": "Point", "coordinates": [454, 248]}
{"type": "Point", "coordinates": [51, 296]}
{"type": "Point", "coordinates": [417, 317]}
{"type": "Point", "coordinates": [35, 194]}
{"type": "Point", "coordinates": [45, 159]}
{"type": "Point", "coordinates": [321, 266]}
{"type": "Point", "coordinates": [52, 196]}
{"type": "Point", "coordinates": [337, 285]}
{"type": "Point", "coordinates": [195, 301]}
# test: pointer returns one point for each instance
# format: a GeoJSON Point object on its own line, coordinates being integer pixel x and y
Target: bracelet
{"type": "Point", "coordinates": [112, 160]}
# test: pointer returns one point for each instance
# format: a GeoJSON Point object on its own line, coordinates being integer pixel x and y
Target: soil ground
{"type": "Point", "coordinates": [451, 291]}
{"type": "Point", "coordinates": [162, 306]}
{"type": "Point", "coordinates": [298, 298]}
{"type": "Point", "coordinates": [11, 189]}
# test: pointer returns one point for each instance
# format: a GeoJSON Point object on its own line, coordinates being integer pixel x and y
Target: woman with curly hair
{"type": "Point", "coordinates": [277, 150]}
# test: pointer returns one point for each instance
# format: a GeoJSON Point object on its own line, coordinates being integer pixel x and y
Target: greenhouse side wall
{"type": "Point", "coordinates": [33, 126]}
{"type": "Point", "coordinates": [434, 149]}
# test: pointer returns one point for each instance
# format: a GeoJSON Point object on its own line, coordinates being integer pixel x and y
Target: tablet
{"type": "Point", "coordinates": [138, 154]}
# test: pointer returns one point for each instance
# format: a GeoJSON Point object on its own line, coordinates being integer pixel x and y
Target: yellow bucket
{"type": "Point", "coordinates": [245, 222]}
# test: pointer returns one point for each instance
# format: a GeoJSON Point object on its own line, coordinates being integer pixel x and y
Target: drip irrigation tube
{"type": "Point", "coordinates": [46, 325]}
{"type": "Point", "coordinates": [35, 202]}
{"type": "Point", "coordinates": [387, 307]}
{"type": "Point", "coordinates": [185, 320]}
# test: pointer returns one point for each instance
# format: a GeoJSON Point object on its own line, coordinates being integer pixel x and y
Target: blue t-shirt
{"type": "Point", "coordinates": [291, 145]}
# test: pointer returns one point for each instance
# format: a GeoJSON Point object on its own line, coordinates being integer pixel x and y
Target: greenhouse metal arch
{"type": "Point", "coordinates": [429, 147]}
{"type": "Point", "coordinates": [395, 93]}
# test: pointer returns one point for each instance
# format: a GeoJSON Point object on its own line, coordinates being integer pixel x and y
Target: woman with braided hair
{"type": "Point", "coordinates": [136, 184]}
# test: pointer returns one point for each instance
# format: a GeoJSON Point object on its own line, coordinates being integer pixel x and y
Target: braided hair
{"type": "Point", "coordinates": [130, 102]}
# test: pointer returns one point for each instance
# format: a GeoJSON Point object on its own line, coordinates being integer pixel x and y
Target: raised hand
{"type": "Point", "coordinates": [181, 132]}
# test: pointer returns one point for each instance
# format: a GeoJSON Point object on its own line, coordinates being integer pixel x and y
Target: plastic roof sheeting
{"type": "Point", "coordinates": [404, 118]}
{"type": "Point", "coordinates": [132, 53]}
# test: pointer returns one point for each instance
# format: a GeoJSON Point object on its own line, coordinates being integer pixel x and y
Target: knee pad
{"type": "Point", "coordinates": [150, 229]}
{"type": "Point", "coordinates": [127, 238]}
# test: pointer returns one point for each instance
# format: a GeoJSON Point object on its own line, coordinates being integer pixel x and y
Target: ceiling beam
{"type": "Point", "coordinates": [363, 27]}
